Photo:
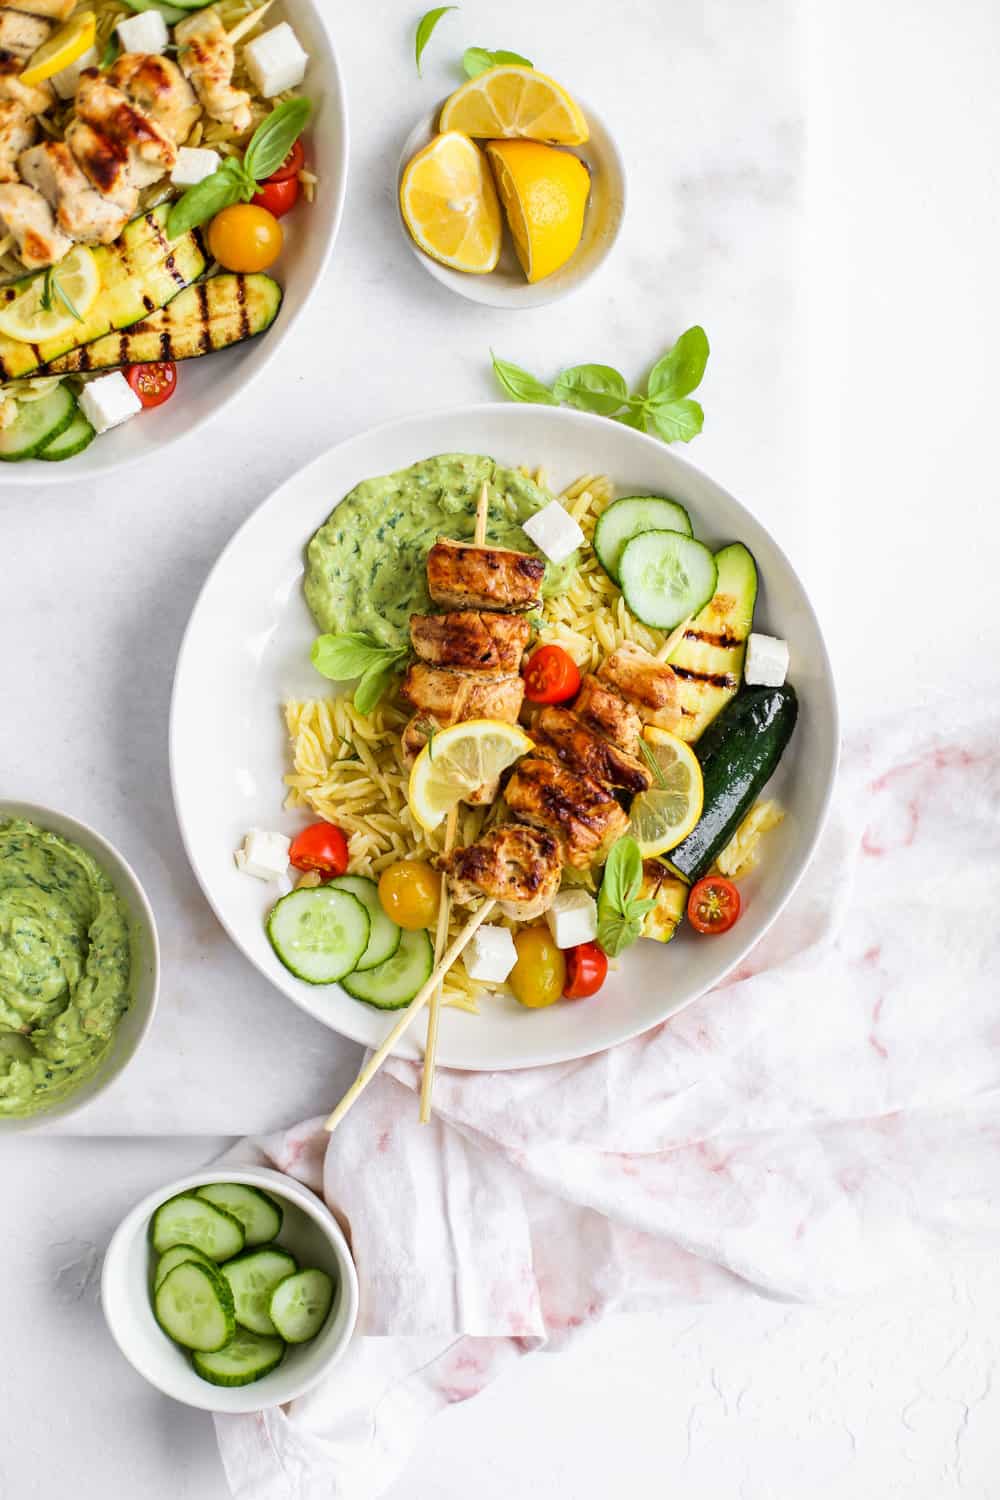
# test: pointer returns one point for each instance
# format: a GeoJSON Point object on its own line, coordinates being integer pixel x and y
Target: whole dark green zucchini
{"type": "Point", "coordinates": [738, 752]}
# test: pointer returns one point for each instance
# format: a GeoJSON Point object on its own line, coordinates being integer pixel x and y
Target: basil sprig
{"type": "Point", "coordinates": [476, 60]}
{"type": "Point", "coordinates": [425, 30]}
{"type": "Point", "coordinates": [664, 409]}
{"type": "Point", "coordinates": [236, 181]}
{"type": "Point", "coordinates": [619, 911]}
{"type": "Point", "coordinates": [353, 654]}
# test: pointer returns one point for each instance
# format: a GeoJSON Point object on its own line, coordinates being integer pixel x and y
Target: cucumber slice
{"type": "Point", "coordinates": [319, 933]}
{"type": "Point", "coordinates": [665, 577]}
{"type": "Point", "coordinates": [177, 1257]}
{"type": "Point", "coordinates": [194, 1306]}
{"type": "Point", "coordinates": [630, 517]}
{"type": "Point", "coordinates": [246, 1358]}
{"type": "Point", "coordinates": [37, 423]}
{"type": "Point", "coordinates": [384, 938]}
{"type": "Point", "coordinates": [259, 1214]}
{"type": "Point", "coordinates": [300, 1305]}
{"type": "Point", "coordinates": [394, 983]}
{"type": "Point", "coordinates": [67, 444]}
{"type": "Point", "coordinates": [252, 1278]}
{"type": "Point", "coordinates": [187, 1220]}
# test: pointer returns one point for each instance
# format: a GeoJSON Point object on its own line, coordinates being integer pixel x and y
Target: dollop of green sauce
{"type": "Point", "coordinates": [366, 565]}
{"type": "Point", "coordinates": [65, 964]}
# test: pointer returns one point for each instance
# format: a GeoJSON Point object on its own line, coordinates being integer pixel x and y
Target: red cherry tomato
{"type": "Point", "coordinates": [153, 384]}
{"type": "Point", "coordinates": [277, 197]}
{"type": "Point", "coordinates": [551, 676]}
{"type": "Point", "coordinates": [320, 847]}
{"type": "Point", "coordinates": [291, 166]}
{"type": "Point", "coordinates": [586, 971]}
{"type": "Point", "coordinates": [713, 905]}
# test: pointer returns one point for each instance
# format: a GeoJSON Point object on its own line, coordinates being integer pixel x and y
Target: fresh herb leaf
{"type": "Point", "coordinates": [373, 684]}
{"type": "Point", "coordinates": [274, 138]}
{"type": "Point", "coordinates": [520, 385]}
{"type": "Point", "coordinates": [677, 421]}
{"type": "Point", "coordinates": [619, 910]}
{"type": "Point", "coordinates": [652, 762]}
{"type": "Point", "coordinates": [65, 299]}
{"type": "Point", "coordinates": [476, 60]}
{"type": "Point", "coordinates": [352, 654]}
{"type": "Point", "coordinates": [46, 297]}
{"type": "Point", "coordinates": [597, 388]}
{"type": "Point", "coordinates": [634, 415]}
{"type": "Point", "coordinates": [680, 370]}
{"type": "Point", "coordinates": [234, 180]}
{"type": "Point", "coordinates": [204, 200]}
{"type": "Point", "coordinates": [425, 30]}
{"type": "Point", "coordinates": [111, 50]}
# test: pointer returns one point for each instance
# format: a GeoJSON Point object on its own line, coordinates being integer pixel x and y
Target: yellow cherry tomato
{"type": "Point", "coordinates": [539, 975]}
{"type": "Point", "coordinates": [410, 892]}
{"type": "Point", "coordinates": [244, 237]}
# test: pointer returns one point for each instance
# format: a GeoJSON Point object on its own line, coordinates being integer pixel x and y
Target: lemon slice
{"type": "Point", "coordinates": [667, 813]}
{"type": "Point", "coordinates": [458, 760]}
{"type": "Point", "coordinates": [515, 101]}
{"type": "Point", "coordinates": [62, 48]}
{"type": "Point", "coordinates": [450, 205]}
{"type": "Point", "coordinates": [544, 194]}
{"type": "Point", "coordinates": [75, 282]}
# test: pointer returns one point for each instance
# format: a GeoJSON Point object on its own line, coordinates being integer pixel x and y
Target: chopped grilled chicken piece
{"type": "Point", "coordinates": [208, 57]}
{"type": "Point", "coordinates": [588, 754]}
{"type": "Point", "coordinates": [518, 866]}
{"type": "Point", "coordinates": [36, 98]}
{"type": "Point", "coordinates": [150, 151]}
{"type": "Point", "coordinates": [27, 216]}
{"type": "Point", "coordinates": [52, 10]}
{"type": "Point", "coordinates": [17, 131]}
{"type": "Point", "coordinates": [81, 212]}
{"type": "Point", "coordinates": [460, 576]}
{"type": "Point", "coordinates": [583, 814]}
{"type": "Point", "coordinates": [157, 86]}
{"type": "Point", "coordinates": [602, 708]}
{"type": "Point", "coordinates": [646, 682]}
{"type": "Point", "coordinates": [451, 696]}
{"type": "Point", "coordinates": [106, 164]}
{"type": "Point", "coordinates": [480, 641]}
{"type": "Point", "coordinates": [22, 35]}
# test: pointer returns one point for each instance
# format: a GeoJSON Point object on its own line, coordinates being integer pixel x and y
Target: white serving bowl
{"type": "Point", "coordinates": [312, 1235]}
{"type": "Point", "coordinates": [505, 286]}
{"type": "Point", "coordinates": [145, 977]}
{"type": "Point", "coordinates": [207, 385]}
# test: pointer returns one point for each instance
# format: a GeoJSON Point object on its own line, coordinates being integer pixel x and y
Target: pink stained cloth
{"type": "Point", "coordinates": [810, 1128]}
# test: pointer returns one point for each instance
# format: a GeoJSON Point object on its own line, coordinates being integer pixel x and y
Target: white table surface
{"type": "Point", "coordinates": [893, 1395]}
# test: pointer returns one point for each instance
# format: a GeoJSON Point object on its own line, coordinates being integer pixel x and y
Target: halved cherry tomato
{"type": "Point", "coordinates": [322, 847]}
{"type": "Point", "coordinates": [245, 238]}
{"type": "Point", "coordinates": [586, 971]}
{"type": "Point", "coordinates": [713, 905]}
{"type": "Point", "coordinates": [410, 893]}
{"type": "Point", "coordinates": [277, 196]}
{"type": "Point", "coordinates": [153, 384]}
{"type": "Point", "coordinates": [291, 166]}
{"type": "Point", "coordinates": [551, 676]}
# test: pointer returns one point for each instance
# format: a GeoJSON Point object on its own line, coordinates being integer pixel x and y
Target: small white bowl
{"type": "Point", "coordinates": [312, 1235]}
{"type": "Point", "coordinates": [505, 286]}
{"type": "Point", "coordinates": [145, 975]}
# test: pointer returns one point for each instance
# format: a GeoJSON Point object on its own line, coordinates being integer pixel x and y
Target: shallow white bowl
{"type": "Point", "coordinates": [246, 651]}
{"type": "Point", "coordinates": [207, 385]}
{"type": "Point", "coordinates": [145, 978]}
{"type": "Point", "coordinates": [312, 1235]}
{"type": "Point", "coordinates": [505, 286]}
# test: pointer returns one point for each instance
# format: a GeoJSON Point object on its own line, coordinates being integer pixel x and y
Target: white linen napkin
{"type": "Point", "coordinates": [820, 1120]}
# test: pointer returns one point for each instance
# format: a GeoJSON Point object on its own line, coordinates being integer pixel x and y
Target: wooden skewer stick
{"type": "Point", "coordinates": [673, 640]}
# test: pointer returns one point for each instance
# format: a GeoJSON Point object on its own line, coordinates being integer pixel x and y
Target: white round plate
{"type": "Point", "coordinates": [208, 384]}
{"type": "Point", "coordinates": [246, 651]}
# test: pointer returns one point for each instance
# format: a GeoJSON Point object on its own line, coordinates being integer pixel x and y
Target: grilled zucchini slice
{"type": "Point", "coordinates": [708, 659]}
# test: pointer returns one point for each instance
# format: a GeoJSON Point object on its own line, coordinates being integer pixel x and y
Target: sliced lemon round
{"type": "Point", "coordinates": [61, 48]}
{"type": "Point", "coordinates": [544, 195]}
{"type": "Point", "coordinates": [54, 302]}
{"type": "Point", "coordinates": [667, 812]}
{"type": "Point", "coordinates": [450, 205]}
{"type": "Point", "coordinates": [458, 760]}
{"type": "Point", "coordinates": [516, 101]}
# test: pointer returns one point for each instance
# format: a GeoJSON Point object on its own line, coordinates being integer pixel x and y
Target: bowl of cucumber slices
{"type": "Point", "coordinates": [232, 1290]}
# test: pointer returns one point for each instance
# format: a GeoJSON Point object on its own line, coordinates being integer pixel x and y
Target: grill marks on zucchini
{"type": "Point", "coordinates": [708, 660]}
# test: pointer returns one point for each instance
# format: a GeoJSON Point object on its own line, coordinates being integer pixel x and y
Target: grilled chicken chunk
{"type": "Point", "coordinates": [647, 683]}
{"type": "Point", "coordinates": [36, 98]}
{"type": "Point", "coordinates": [601, 708]}
{"type": "Point", "coordinates": [150, 153]}
{"type": "Point", "coordinates": [27, 216]}
{"type": "Point", "coordinates": [582, 813]}
{"type": "Point", "coordinates": [460, 576]}
{"type": "Point", "coordinates": [159, 88]}
{"type": "Point", "coordinates": [17, 131]}
{"type": "Point", "coordinates": [588, 754]}
{"type": "Point", "coordinates": [470, 639]}
{"type": "Point", "coordinates": [80, 210]}
{"type": "Point", "coordinates": [52, 10]}
{"type": "Point", "coordinates": [105, 163]}
{"type": "Point", "coordinates": [208, 57]}
{"type": "Point", "coordinates": [518, 866]}
{"type": "Point", "coordinates": [21, 35]}
{"type": "Point", "coordinates": [451, 696]}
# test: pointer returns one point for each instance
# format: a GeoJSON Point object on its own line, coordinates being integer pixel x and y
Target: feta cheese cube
{"type": "Point", "coordinates": [554, 532]}
{"type": "Point", "coordinates": [766, 661]}
{"type": "Point", "coordinates": [264, 855]}
{"type": "Point", "coordinates": [146, 32]}
{"type": "Point", "coordinates": [572, 919]}
{"type": "Point", "coordinates": [65, 81]}
{"type": "Point", "coordinates": [108, 401]}
{"type": "Point", "coordinates": [194, 163]}
{"type": "Point", "coordinates": [275, 61]}
{"type": "Point", "coordinates": [490, 955]}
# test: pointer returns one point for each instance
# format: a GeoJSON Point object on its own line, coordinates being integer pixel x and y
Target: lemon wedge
{"type": "Point", "coordinates": [450, 205]}
{"type": "Point", "coordinates": [61, 48]}
{"type": "Point", "coordinates": [544, 194]}
{"type": "Point", "coordinates": [48, 306]}
{"type": "Point", "coordinates": [667, 812]}
{"type": "Point", "coordinates": [458, 760]}
{"type": "Point", "coordinates": [516, 101]}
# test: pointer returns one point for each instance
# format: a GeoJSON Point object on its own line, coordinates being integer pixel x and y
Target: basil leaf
{"type": "Point", "coordinates": [425, 30]}
{"type": "Point", "coordinates": [476, 60]}
{"type": "Point", "coordinates": [203, 201]}
{"type": "Point", "coordinates": [614, 932]}
{"type": "Point", "coordinates": [372, 685]}
{"type": "Point", "coordinates": [275, 137]}
{"type": "Point", "coordinates": [635, 415]}
{"type": "Point", "coordinates": [677, 421]}
{"type": "Point", "coordinates": [597, 388]}
{"type": "Point", "coordinates": [110, 53]}
{"type": "Point", "coordinates": [680, 370]}
{"type": "Point", "coordinates": [352, 654]}
{"type": "Point", "coordinates": [520, 385]}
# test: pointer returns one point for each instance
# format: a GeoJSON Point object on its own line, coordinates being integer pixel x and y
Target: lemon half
{"type": "Point", "coordinates": [458, 760]}
{"type": "Point", "coordinates": [516, 101]}
{"type": "Point", "coordinates": [544, 194]}
{"type": "Point", "coordinates": [25, 317]}
{"type": "Point", "coordinates": [666, 813]}
{"type": "Point", "coordinates": [450, 205]}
